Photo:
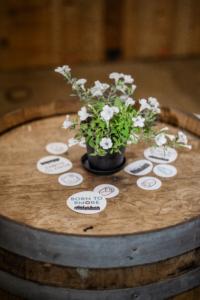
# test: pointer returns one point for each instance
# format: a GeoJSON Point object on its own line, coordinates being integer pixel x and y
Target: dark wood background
{"type": "Point", "coordinates": [36, 35]}
{"type": "Point", "coordinates": [50, 32]}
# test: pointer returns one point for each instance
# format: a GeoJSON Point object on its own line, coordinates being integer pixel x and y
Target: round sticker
{"type": "Point", "coordinates": [139, 167]}
{"type": "Point", "coordinates": [57, 148]}
{"type": "Point", "coordinates": [165, 170]}
{"type": "Point", "coordinates": [86, 202]}
{"type": "Point", "coordinates": [149, 183]}
{"type": "Point", "coordinates": [70, 179]}
{"type": "Point", "coordinates": [54, 164]}
{"type": "Point", "coordinates": [107, 190]}
{"type": "Point", "coordinates": [160, 155]}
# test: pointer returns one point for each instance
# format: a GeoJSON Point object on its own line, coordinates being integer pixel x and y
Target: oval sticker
{"type": "Point", "coordinates": [54, 164]}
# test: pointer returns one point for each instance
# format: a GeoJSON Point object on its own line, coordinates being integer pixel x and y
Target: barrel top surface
{"type": "Point", "coordinates": [38, 200]}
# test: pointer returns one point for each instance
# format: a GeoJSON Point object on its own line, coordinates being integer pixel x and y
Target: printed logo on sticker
{"type": "Point", "coordinates": [87, 202]}
{"type": "Point", "coordinates": [54, 164]}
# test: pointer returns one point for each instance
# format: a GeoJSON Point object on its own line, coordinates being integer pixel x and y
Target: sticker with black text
{"type": "Point", "coordinates": [160, 155]}
{"type": "Point", "coordinates": [139, 167]}
{"type": "Point", "coordinates": [54, 164]}
{"type": "Point", "coordinates": [87, 202]}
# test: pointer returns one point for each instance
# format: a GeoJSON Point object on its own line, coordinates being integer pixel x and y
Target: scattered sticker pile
{"type": "Point", "coordinates": [91, 202]}
{"type": "Point", "coordinates": [87, 202]}
{"type": "Point", "coordinates": [57, 148]}
{"type": "Point", "coordinates": [160, 155]}
{"type": "Point", "coordinates": [70, 179]}
{"type": "Point", "coordinates": [54, 164]}
{"type": "Point", "coordinates": [107, 190]}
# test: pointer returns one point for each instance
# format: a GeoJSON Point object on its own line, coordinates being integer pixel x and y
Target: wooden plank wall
{"type": "Point", "coordinates": [50, 32]}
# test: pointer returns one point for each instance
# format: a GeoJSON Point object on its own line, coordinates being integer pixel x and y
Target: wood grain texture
{"type": "Point", "coordinates": [35, 199]}
{"type": "Point", "coordinates": [97, 279]}
{"type": "Point", "coordinates": [194, 294]}
{"type": "Point", "coordinates": [38, 201]}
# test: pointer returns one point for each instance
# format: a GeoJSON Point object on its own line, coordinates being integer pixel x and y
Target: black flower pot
{"type": "Point", "coordinates": [108, 162]}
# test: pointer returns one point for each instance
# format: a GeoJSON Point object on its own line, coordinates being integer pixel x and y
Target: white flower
{"type": "Point", "coordinates": [67, 123]}
{"type": "Point", "coordinates": [133, 87]}
{"type": "Point", "coordinates": [107, 113]}
{"type": "Point", "coordinates": [160, 139]}
{"type": "Point", "coordinates": [79, 84]}
{"type": "Point", "coordinates": [129, 101]}
{"type": "Point", "coordinates": [116, 76]}
{"type": "Point", "coordinates": [81, 81]}
{"type": "Point", "coordinates": [72, 142]}
{"type": "Point", "coordinates": [154, 104]}
{"type": "Point", "coordinates": [124, 97]}
{"type": "Point", "coordinates": [63, 70]}
{"type": "Point", "coordinates": [128, 79]}
{"type": "Point", "coordinates": [138, 121]}
{"type": "Point", "coordinates": [144, 104]}
{"type": "Point", "coordinates": [171, 137]}
{"type": "Point", "coordinates": [83, 114]}
{"type": "Point", "coordinates": [121, 88]}
{"type": "Point", "coordinates": [182, 138]}
{"type": "Point", "coordinates": [115, 109]}
{"type": "Point", "coordinates": [99, 88]}
{"type": "Point", "coordinates": [106, 143]}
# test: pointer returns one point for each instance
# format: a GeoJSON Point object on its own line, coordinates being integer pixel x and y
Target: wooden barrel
{"type": "Point", "coordinates": [144, 245]}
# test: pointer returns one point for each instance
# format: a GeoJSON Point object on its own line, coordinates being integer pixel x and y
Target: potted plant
{"type": "Point", "coordinates": [111, 119]}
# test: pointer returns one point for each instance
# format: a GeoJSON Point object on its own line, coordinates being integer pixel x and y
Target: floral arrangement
{"type": "Point", "coordinates": [111, 119]}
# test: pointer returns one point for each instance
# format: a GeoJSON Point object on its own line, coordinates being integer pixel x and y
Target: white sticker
{"type": "Point", "coordinates": [87, 202]}
{"type": "Point", "coordinates": [70, 179]}
{"type": "Point", "coordinates": [149, 183]}
{"type": "Point", "coordinates": [107, 190]}
{"type": "Point", "coordinates": [57, 148]}
{"type": "Point", "coordinates": [160, 155]}
{"type": "Point", "coordinates": [165, 170]}
{"type": "Point", "coordinates": [139, 167]}
{"type": "Point", "coordinates": [54, 164]}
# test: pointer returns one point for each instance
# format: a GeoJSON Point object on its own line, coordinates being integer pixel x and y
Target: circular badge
{"type": "Point", "coordinates": [70, 179]}
{"type": "Point", "coordinates": [107, 190]}
{"type": "Point", "coordinates": [54, 164]}
{"type": "Point", "coordinates": [139, 167]}
{"type": "Point", "coordinates": [165, 170]}
{"type": "Point", "coordinates": [149, 183]}
{"type": "Point", "coordinates": [160, 155]}
{"type": "Point", "coordinates": [57, 148]}
{"type": "Point", "coordinates": [87, 202]}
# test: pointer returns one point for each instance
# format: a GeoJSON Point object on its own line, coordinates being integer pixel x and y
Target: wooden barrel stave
{"type": "Point", "coordinates": [125, 266]}
{"type": "Point", "coordinates": [98, 279]}
{"type": "Point", "coordinates": [159, 290]}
